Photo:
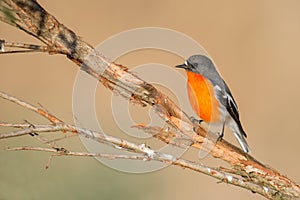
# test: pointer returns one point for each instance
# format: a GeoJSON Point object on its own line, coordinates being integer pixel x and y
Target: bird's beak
{"type": "Point", "coordinates": [184, 66]}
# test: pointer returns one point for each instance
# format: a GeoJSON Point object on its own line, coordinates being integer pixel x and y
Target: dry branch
{"type": "Point", "coordinates": [141, 151]}
{"type": "Point", "coordinates": [30, 17]}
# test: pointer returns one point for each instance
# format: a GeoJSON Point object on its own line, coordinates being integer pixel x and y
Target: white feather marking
{"type": "Point", "coordinates": [231, 100]}
{"type": "Point", "coordinates": [218, 88]}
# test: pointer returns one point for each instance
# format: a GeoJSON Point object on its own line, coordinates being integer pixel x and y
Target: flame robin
{"type": "Point", "coordinates": [211, 98]}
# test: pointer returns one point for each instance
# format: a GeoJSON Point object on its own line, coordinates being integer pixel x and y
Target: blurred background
{"type": "Point", "coordinates": [255, 45]}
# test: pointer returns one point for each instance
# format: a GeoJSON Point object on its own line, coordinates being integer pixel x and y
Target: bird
{"type": "Point", "coordinates": [211, 98]}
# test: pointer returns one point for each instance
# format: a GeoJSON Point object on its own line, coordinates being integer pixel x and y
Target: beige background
{"type": "Point", "coordinates": [255, 45]}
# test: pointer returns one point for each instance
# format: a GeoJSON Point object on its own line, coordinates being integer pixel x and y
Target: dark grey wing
{"type": "Point", "coordinates": [233, 109]}
{"type": "Point", "coordinates": [231, 105]}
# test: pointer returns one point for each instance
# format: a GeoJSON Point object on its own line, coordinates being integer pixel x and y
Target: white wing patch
{"type": "Point", "coordinates": [219, 90]}
{"type": "Point", "coordinates": [223, 100]}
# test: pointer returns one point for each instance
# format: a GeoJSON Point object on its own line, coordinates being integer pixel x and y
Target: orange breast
{"type": "Point", "coordinates": [202, 99]}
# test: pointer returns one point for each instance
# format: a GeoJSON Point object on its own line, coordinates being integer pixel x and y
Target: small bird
{"type": "Point", "coordinates": [211, 98]}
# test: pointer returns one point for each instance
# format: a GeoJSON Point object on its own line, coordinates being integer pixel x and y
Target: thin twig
{"type": "Point", "coordinates": [147, 154]}
{"type": "Point", "coordinates": [165, 158]}
{"type": "Point", "coordinates": [24, 104]}
{"type": "Point", "coordinates": [60, 152]}
{"type": "Point", "coordinates": [61, 138]}
{"type": "Point", "coordinates": [26, 48]}
{"type": "Point", "coordinates": [20, 51]}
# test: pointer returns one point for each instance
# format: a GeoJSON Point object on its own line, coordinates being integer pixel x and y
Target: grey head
{"type": "Point", "coordinates": [203, 65]}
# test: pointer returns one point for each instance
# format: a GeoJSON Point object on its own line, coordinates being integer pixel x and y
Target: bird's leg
{"type": "Point", "coordinates": [222, 133]}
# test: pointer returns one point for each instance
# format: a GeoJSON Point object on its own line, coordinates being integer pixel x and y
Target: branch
{"type": "Point", "coordinates": [147, 154]}
{"type": "Point", "coordinates": [26, 48]}
{"type": "Point", "coordinates": [30, 17]}
{"type": "Point", "coordinates": [165, 158]}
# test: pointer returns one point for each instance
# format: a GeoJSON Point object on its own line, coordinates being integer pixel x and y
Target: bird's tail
{"type": "Point", "coordinates": [241, 139]}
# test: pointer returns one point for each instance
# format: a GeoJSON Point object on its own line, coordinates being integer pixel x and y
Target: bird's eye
{"type": "Point", "coordinates": [186, 63]}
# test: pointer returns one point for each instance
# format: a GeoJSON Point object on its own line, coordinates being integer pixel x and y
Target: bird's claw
{"type": "Point", "coordinates": [220, 136]}
{"type": "Point", "coordinates": [196, 121]}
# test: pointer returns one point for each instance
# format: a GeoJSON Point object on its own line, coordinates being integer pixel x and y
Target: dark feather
{"type": "Point", "coordinates": [233, 109]}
